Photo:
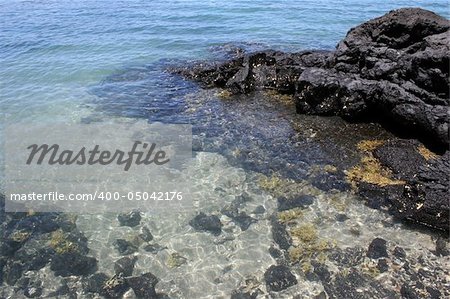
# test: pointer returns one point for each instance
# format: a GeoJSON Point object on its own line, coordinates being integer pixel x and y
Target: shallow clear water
{"type": "Point", "coordinates": [94, 61]}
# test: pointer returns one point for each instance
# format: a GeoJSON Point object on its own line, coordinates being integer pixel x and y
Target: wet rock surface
{"type": "Point", "coordinates": [144, 285]}
{"type": "Point", "coordinates": [422, 197]}
{"type": "Point", "coordinates": [130, 219]}
{"type": "Point", "coordinates": [279, 278]}
{"type": "Point", "coordinates": [203, 222]}
{"type": "Point", "coordinates": [393, 70]}
{"type": "Point", "coordinates": [377, 249]}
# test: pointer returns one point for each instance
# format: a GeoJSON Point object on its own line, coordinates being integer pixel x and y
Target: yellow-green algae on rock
{"type": "Point", "coordinates": [60, 243]}
{"type": "Point", "coordinates": [370, 170]}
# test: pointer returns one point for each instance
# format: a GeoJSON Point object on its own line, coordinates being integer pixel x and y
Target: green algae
{"type": "Point", "coordinates": [369, 169]}
{"type": "Point", "coordinates": [290, 215]}
{"type": "Point", "coordinates": [61, 244]}
{"type": "Point", "coordinates": [175, 260]}
{"type": "Point", "coordinates": [306, 233]}
{"type": "Point", "coordinates": [20, 236]}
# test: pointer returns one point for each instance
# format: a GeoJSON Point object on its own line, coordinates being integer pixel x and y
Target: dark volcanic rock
{"type": "Point", "coordinates": [298, 202]}
{"type": "Point", "coordinates": [145, 234]}
{"type": "Point", "coordinates": [203, 222]}
{"type": "Point", "coordinates": [350, 286]}
{"type": "Point", "coordinates": [154, 248]}
{"type": "Point", "coordinates": [279, 234]}
{"type": "Point", "coordinates": [125, 247]}
{"type": "Point", "coordinates": [144, 285]}
{"type": "Point", "coordinates": [125, 265]}
{"type": "Point", "coordinates": [115, 287]}
{"type": "Point", "coordinates": [95, 282]}
{"type": "Point", "coordinates": [130, 219]}
{"type": "Point", "coordinates": [425, 198]}
{"type": "Point", "coordinates": [348, 257]}
{"type": "Point", "coordinates": [243, 295]}
{"type": "Point", "coordinates": [279, 278]}
{"type": "Point", "coordinates": [377, 249]}
{"type": "Point", "coordinates": [442, 247]}
{"type": "Point", "coordinates": [240, 218]}
{"type": "Point", "coordinates": [73, 263]}
{"type": "Point", "coordinates": [393, 70]}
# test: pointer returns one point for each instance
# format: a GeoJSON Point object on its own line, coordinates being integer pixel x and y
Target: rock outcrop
{"type": "Point", "coordinates": [393, 70]}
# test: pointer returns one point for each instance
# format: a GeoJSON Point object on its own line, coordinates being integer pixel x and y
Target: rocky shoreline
{"type": "Point", "coordinates": [393, 70]}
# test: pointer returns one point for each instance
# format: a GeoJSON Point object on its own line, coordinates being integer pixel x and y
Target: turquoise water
{"type": "Point", "coordinates": [52, 51]}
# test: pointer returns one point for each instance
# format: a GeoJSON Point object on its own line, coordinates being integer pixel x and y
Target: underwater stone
{"type": "Point", "coordinates": [348, 257]}
{"type": "Point", "coordinates": [442, 247]}
{"type": "Point", "coordinates": [243, 295]}
{"type": "Point", "coordinates": [73, 263]}
{"type": "Point", "coordinates": [12, 271]}
{"type": "Point", "coordinates": [130, 219]}
{"type": "Point", "coordinates": [377, 249]}
{"type": "Point", "coordinates": [203, 222]}
{"type": "Point", "coordinates": [322, 272]}
{"type": "Point", "coordinates": [341, 217]}
{"type": "Point", "coordinates": [279, 234]}
{"type": "Point", "coordinates": [154, 248]}
{"type": "Point", "coordinates": [322, 295]}
{"type": "Point", "coordinates": [35, 253]}
{"type": "Point", "coordinates": [410, 292]}
{"type": "Point", "coordinates": [349, 285]}
{"type": "Point", "coordinates": [328, 181]}
{"type": "Point", "coordinates": [94, 283]}
{"type": "Point", "coordinates": [124, 247]}
{"type": "Point", "coordinates": [259, 210]}
{"type": "Point", "coordinates": [144, 285]}
{"type": "Point", "coordinates": [275, 252]}
{"type": "Point", "coordinates": [31, 288]}
{"type": "Point", "coordinates": [115, 287]}
{"type": "Point", "coordinates": [298, 202]}
{"type": "Point", "coordinates": [125, 265]}
{"type": "Point", "coordinates": [33, 292]}
{"type": "Point", "coordinates": [145, 234]}
{"type": "Point", "coordinates": [240, 218]}
{"type": "Point", "coordinates": [382, 265]}
{"type": "Point", "coordinates": [399, 253]}
{"type": "Point", "coordinates": [244, 221]}
{"type": "Point", "coordinates": [279, 278]}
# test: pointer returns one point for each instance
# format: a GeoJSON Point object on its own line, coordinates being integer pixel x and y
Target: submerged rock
{"type": "Point", "coordinates": [144, 285]}
{"type": "Point", "coordinates": [297, 202]}
{"type": "Point", "coordinates": [73, 263]}
{"type": "Point", "coordinates": [279, 278]}
{"type": "Point", "coordinates": [125, 265]}
{"type": "Point", "coordinates": [115, 287]}
{"type": "Point", "coordinates": [130, 219]}
{"type": "Point", "coordinates": [240, 218]}
{"type": "Point", "coordinates": [95, 282]}
{"type": "Point", "coordinates": [442, 248]}
{"type": "Point", "coordinates": [280, 234]}
{"type": "Point", "coordinates": [124, 247]}
{"type": "Point", "coordinates": [203, 222]}
{"type": "Point", "coordinates": [377, 249]}
{"type": "Point", "coordinates": [145, 234]}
